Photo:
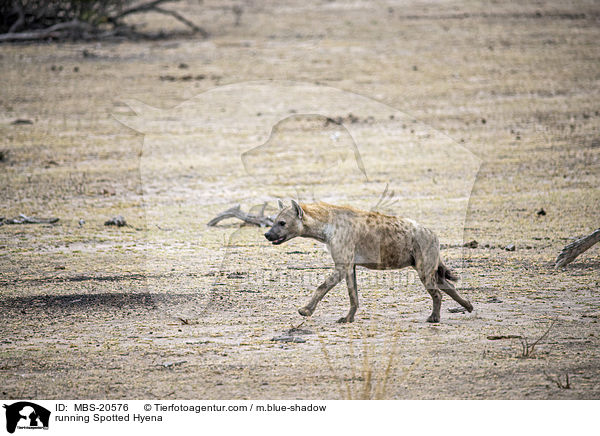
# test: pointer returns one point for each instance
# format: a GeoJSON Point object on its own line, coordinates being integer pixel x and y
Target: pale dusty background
{"type": "Point", "coordinates": [90, 311]}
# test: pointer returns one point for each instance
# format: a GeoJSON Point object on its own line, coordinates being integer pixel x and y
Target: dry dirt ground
{"type": "Point", "coordinates": [169, 308]}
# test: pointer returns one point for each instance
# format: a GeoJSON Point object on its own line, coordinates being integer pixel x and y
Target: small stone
{"type": "Point", "coordinates": [510, 247]}
{"type": "Point", "coordinates": [471, 244]}
{"type": "Point", "coordinates": [108, 191]}
{"type": "Point", "coordinates": [118, 221]}
{"type": "Point", "coordinates": [21, 122]}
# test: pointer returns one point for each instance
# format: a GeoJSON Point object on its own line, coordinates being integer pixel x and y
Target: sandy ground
{"type": "Point", "coordinates": [495, 117]}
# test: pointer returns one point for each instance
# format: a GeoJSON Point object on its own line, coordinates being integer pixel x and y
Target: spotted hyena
{"type": "Point", "coordinates": [369, 239]}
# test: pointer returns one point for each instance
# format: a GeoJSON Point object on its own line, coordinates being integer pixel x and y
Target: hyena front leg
{"type": "Point", "coordinates": [332, 280]}
{"type": "Point", "coordinates": [352, 293]}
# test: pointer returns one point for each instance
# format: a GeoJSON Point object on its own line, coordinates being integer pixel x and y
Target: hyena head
{"type": "Point", "coordinates": [287, 224]}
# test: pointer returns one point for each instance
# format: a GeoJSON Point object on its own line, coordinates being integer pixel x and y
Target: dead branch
{"type": "Point", "coordinates": [24, 219]}
{"type": "Point", "coordinates": [105, 20]}
{"type": "Point", "coordinates": [574, 249]}
{"type": "Point", "coordinates": [236, 212]}
{"type": "Point", "coordinates": [54, 31]}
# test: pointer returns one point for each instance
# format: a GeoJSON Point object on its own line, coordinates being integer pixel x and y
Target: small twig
{"type": "Point", "coordinates": [541, 338]}
{"type": "Point", "coordinates": [141, 7]}
{"type": "Point", "coordinates": [185, 21]}
{"type": "Point", "coordinates": [330, 364]}
{"type": "Point", "coordinates": [526, 349]}
{"type": "Point", "coordinates": [262, 209]}
{"type": "Point", "coordinates": [237, 11]}
{"type": "Point", "coordinates": [18, 8]}
{"type": "Point", "coordinates": [382, 384]}
{"type": "Point", "coordinates": [293, 327]}
{"type": "Point", "coordinates": [498, 337]}
{"type": "Point", "coordinates": [367, 372]}
{"type": "Point", "coordinates": [556, 380]}
{"type": "Point", "coordinates": [154, 6]}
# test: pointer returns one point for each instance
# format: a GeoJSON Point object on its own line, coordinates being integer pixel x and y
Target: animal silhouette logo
{"type": "Point", "coordinates": [27, 415]}
{"type": "Point", "coordinates": [253, 142]}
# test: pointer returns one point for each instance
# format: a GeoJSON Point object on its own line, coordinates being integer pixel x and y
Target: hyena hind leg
{"type": "Point", "coordinates": [449, 289]}
{"type": "Point", "coordinates": [436, 296]}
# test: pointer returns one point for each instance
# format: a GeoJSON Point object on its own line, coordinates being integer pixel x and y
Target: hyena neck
{"type": "Point", "coordinates": [315, 229]}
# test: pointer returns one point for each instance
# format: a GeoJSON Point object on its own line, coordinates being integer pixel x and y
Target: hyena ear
{"type": "Point", "coordinates": [297, 209]}
{"type": "Point", "coordinates": [280, 204]}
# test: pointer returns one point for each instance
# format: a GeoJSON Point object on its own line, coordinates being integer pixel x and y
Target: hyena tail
{"type": "Point", "coordinates": [446, 273]}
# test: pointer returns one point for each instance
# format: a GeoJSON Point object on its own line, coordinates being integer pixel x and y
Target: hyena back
{"type": "Point", "coordinates": [368, 239]}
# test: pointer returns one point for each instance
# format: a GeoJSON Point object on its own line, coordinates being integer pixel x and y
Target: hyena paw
{"type": "Point", "coordinates": [345, 319]}
{"type": "Point", "coordinates": [305, 311]}
{"type": "Point", "coordinates": [433, 318]}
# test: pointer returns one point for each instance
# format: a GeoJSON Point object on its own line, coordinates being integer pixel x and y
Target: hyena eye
{"type": "Point", "coordinates": [281, 223]}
